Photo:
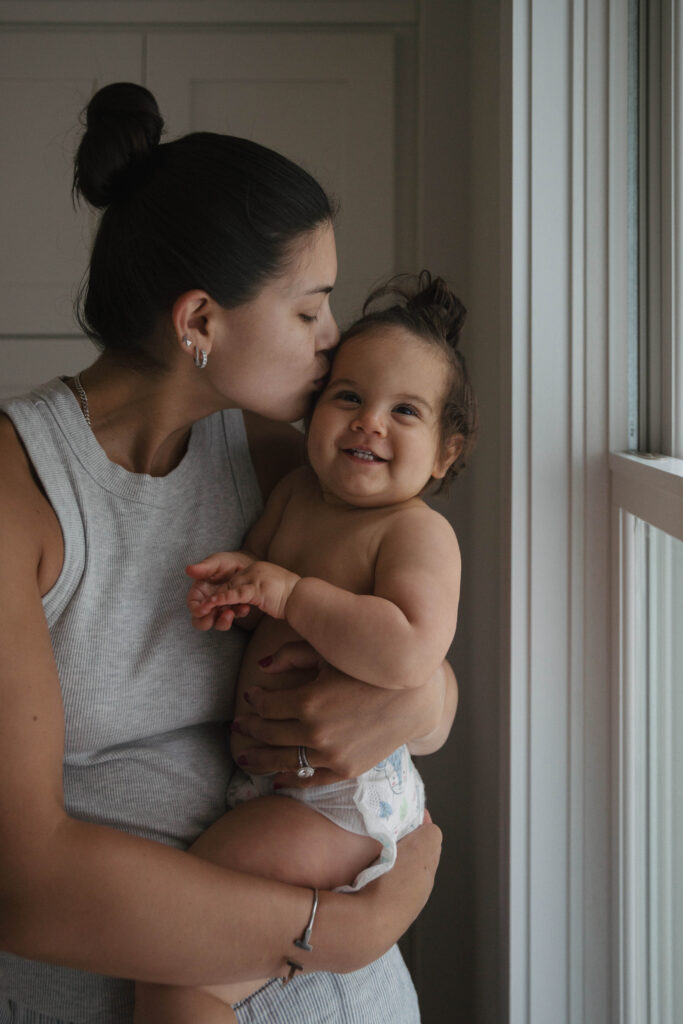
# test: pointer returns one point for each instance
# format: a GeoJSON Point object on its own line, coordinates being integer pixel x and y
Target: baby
{"type": "Point", "coordinates": [348, 557]}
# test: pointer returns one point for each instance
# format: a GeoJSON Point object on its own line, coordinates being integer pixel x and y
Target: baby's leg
{"type": "Point", "coordinates": [166, 1004]}
{"type": "Point", "coordinates": [274, 837]}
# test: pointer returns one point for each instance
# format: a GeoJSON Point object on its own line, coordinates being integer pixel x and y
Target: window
{"type": "Point", "coordinates": [647, 498]}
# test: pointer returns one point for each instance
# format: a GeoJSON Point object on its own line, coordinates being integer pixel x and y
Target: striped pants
{"type": "Point", "coordinates": [381, 993]}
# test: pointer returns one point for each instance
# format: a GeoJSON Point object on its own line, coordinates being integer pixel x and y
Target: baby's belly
{"type": "Point", "coordinates": [269, 636]}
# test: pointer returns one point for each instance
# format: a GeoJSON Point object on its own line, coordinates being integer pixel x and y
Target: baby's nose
{"type": "Point", "coordinates": [370, 420]}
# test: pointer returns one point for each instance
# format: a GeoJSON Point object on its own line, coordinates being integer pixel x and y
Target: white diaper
{"type": "Point", "coordinates": [385, 803]}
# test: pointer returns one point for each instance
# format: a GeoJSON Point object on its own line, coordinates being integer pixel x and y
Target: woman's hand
{"type": "Point", "coordinates": [347, 726]}
{"type": "Point", "coordinates": [379, 913]}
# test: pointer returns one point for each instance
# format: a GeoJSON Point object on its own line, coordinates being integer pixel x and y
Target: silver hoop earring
{"type": "Point", "coordinates": [186, 341]}
{"type": "Point", "coordinates": [200, 358]}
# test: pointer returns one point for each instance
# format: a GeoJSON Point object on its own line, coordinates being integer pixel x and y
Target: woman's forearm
{"type": "Point", "coordinates": [105, 901]}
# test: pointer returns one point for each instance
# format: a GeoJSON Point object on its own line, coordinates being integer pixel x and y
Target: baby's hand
{"type": "Point", "coordinates": [260, 585]}
{"type": "Point", "coordinates": [210, 575]}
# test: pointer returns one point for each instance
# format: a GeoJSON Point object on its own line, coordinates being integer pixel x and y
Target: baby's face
{"type": "Point", "coordinates": [374, 437]}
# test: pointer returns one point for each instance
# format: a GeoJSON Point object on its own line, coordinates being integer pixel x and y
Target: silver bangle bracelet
{"type": "Point", "coordinates": [303, 943]}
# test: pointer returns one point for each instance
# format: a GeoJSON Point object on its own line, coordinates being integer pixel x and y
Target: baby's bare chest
{"type": "Point", "coordinates": [340, 548]}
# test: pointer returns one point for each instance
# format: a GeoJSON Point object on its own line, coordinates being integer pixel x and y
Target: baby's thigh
{"type": "Point", "coordinates": [279, 837]}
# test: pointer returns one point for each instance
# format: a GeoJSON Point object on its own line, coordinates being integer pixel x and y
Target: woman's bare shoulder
{"type": "Point", "coordinates": [29, 524]}
{"type": "Point", "coordinates": [15, 466]}
{"type": "Point", "coordinates": [275, 449]}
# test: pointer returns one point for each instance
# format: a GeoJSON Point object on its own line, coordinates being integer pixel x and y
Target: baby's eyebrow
{"type": "Point", "coordinates": [345, 382]}
{"type": "Point", "coordinates": [416, 400]}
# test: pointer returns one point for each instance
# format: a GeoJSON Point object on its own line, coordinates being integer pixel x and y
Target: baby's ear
{"type": "Point", "coordinates": [447, 456]}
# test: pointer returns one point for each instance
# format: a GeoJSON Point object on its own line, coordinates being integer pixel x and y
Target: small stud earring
{"type": "Point", "coordinates": [186, 341]}
{"type": "Point", "coordinates": [200, 358]}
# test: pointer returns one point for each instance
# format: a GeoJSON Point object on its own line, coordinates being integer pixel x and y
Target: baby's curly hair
{"type": "Point", "coordinates": [426, 307]}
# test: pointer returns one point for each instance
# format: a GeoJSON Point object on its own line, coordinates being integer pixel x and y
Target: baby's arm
{"type": "Point", "coordinates": [395, 637]}
{"type": "Point", "coordinates": [211, 573]}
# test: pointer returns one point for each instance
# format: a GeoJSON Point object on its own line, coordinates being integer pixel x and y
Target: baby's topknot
{"type": "Point", "coordinates": [427, 301]}
{"type": "Point", "coordinates": [123, 129]}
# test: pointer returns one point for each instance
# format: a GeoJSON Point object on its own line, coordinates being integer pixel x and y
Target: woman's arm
{"type": "Point", "coordinates": [275, 449]}
{"type": "Point", "coordinates": [91, 897]}
{"type": "Point", "coordinates": [324, 713]}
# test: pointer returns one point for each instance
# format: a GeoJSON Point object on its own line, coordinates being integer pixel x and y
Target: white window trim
{"type": "Point", "coordinates": [651, 489]}
{"type": "Point", "coordinates": [568, 153]}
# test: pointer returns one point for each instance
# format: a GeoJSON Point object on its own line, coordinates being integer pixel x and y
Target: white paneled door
{"type": "Point", "coordinates": [324, 100]}
{"type": "Point", "coordinates": [46, 78]}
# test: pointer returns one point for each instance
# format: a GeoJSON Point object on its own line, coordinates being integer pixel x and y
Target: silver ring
{"type": "Point", "coordinates": [305, 770]}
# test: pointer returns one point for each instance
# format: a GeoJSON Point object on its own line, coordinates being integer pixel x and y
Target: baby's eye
{"type": "Point", "coordinates": [406, 410]}
{"type": "Point", "coordinates": [347, 396]}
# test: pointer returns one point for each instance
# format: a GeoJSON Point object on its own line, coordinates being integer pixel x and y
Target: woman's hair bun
{"type": "Point", "coordinates": [122, 129]}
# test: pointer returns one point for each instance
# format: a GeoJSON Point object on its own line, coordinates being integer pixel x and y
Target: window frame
{"type": "Point", "coordinates": [648, 484]}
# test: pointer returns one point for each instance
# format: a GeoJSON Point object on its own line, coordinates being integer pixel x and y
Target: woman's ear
{"type": "Point", "coordinates": [193, 315]}
{"type": "Point", "coordinates": [448, 454]}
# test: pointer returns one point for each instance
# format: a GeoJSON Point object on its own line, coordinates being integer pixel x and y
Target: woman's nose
{"type": "Point", "coordinates": [327, 334]}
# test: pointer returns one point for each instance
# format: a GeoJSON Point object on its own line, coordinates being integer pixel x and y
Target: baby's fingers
{"type": "Point", "coordinates": [216, 567]}
{"type": "Point", "coordinates": [199, 593]}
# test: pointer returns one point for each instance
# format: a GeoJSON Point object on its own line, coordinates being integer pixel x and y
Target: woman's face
{"type": "Point", "coordinates": [272, 355]}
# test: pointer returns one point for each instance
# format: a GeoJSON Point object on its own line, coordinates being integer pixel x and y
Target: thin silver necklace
{"type": "Point", "coordinates": [83, 398]}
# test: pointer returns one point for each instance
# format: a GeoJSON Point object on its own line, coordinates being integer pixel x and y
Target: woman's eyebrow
{"type": "Point", "coordinates": [324, 288]}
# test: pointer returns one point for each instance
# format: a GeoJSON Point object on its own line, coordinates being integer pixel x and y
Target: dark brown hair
{"type": "Point", "coordinates": [426, 307]}
{"type": "Point", "coordinates": [204, 211]}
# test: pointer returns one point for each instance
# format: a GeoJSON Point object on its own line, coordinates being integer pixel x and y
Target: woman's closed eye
{"type": "Point", "coordinates": [309, 318]}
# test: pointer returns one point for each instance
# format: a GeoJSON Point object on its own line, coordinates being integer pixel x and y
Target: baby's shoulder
{"type": "Point", "coordinates": [418, 524]}
{"type": "Point", "coordinates": [416, 514]}
{"type": "Point", "coordinates": [300, 485]}
{"type": "Point", "coordinates": [294, 483]}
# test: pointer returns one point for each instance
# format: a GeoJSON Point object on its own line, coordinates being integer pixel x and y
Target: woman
{"type": "Point", "coordinates": [208, 291]}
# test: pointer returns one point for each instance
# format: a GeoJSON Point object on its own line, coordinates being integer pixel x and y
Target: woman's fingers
{"type": "Point", "coordinates": [212, 568]}
{"type": "Point", "coordinates": [296, 654]}
{"type": "Point", "coordinates": [218, 567]}
{"type": "Point", "coordinates": [393, 901]}
{"type": "Point", "coordinates": [282, 763]}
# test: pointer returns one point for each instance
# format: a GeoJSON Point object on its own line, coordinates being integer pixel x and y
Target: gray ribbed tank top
{"type": "Point", "coordinates": [146, 697]}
